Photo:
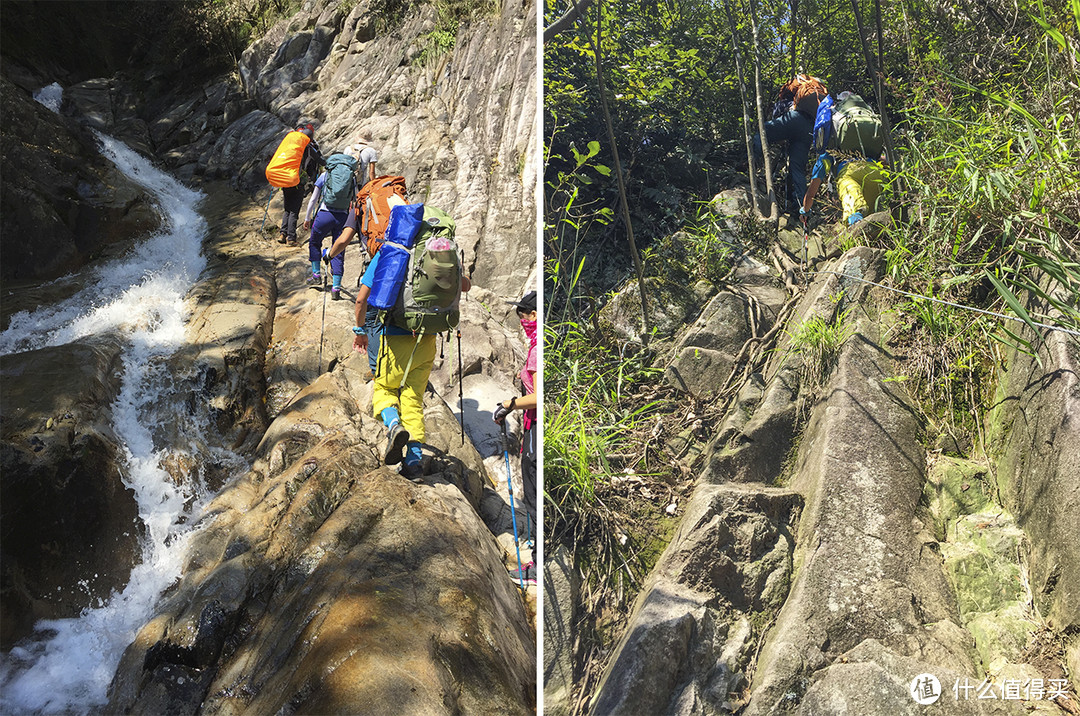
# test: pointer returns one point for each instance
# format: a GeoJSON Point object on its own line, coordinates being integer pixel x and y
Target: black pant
{"type": "Point", "coordinates": [293, 196]}
{"type": "Point", "coordinates": [528, 470]}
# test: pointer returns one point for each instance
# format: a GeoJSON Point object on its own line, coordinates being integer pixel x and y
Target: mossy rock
{"type": "Point", "coordinates": [981, 562]}
{"type": "Point", "coordinates": [1001, 634]}
{"type": "Point", "coordinates": [956, 487]}
{"type": "Point", "coordinates": [670, 308]}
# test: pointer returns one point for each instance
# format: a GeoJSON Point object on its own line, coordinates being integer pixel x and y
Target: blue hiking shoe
{"type": "Point", "coordinates": [315, 279]}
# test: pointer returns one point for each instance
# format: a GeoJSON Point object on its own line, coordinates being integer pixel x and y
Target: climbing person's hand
{"type": "Point", "coordinates": [326, 256]}
{"type": "Point", "coordinates": [501, 411]}
{"type": "Point", "coordinates": [360, 340]}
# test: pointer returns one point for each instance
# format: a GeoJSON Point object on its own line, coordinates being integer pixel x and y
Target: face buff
{"type": "Point", "coordinates": [530, 328]}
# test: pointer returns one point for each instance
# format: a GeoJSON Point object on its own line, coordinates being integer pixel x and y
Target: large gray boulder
{"type": "Point", "coordinates": [868, 569]}
{"type": "Point", "coordinates": [690, 638]}
{"type": "Point", "coordinates": [705, 355]}
{"type": "Point", "coordinates": [62, 201]}
{"type": "Point", "coordinates": [562, 592]}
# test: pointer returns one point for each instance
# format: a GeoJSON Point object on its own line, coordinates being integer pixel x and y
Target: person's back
{"type": "Point", "coordinates": [367, 157]}
{"type": "Point", "coordinates": [293, 196]}
{"type": "Point", "coordinates": [793, 122]}
{"type": "Point", "coordinates": [406, 351]}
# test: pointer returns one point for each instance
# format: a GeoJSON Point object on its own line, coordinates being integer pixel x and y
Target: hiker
{"type": "Point", "coordinates": [793, 121]}
{"type": "Point", "coordinates": [852, 160]}
{"type": "Point", "coordinates": [366, 156]}
{"type": "Point", "coordinates": [526, 310]}
{"type": "Point", "coordinates": [371, 213]}
{"type": "Point", "coordinates": [406, 351]}
{"type": "Point", "coordinates": [296, 157]}
{"type": "Point", "coordinates": [333, 195]}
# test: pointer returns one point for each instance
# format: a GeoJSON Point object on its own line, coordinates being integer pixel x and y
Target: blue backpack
{"type": "Point", "coordinates": [823, 125]}
{"type": "Point", "coordinates": [340, 186]}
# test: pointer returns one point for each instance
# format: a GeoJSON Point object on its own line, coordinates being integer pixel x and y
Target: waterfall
{"type": "Point", "coordinates": [67, 666]}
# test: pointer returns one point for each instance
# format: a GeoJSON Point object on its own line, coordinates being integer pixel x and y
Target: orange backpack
{"type": "Point", "coordinates": [373, 208]}
{"type": "Point", "coordinates": [805, 92]}
{"type": "Point", "coordinates": [283, 171]}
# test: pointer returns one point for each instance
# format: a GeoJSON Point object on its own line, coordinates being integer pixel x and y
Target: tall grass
{"type": "Point", "coordinates": [993, 177]}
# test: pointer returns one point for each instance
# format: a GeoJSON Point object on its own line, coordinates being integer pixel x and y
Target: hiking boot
{"type": "Point", "coordinates": [282, 239]}
{"type": "Point", "coordinates": [315, 279]}
{"type": "Point", "coordinates": [292, 243]}
{"type": "Point", "coordinates": [335, 294]}
{"type": "Point", "coordinates": [395, 444]}
{"type": "Point", "coordinates": [527, 575]}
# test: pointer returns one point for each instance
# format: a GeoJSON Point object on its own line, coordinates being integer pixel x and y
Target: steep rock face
{"type": "Point", "coordinates": [62, 201]}
{"type": "Point", "coordinates": [868, 566]}
{"type": "Point", "coordinates": [459, 126]}
{"type": "Point", "coordinates": [323, 583]}
{"type": "Point", "coordinates": [70, 526]}
{"type": "Point", "coordinates": [1038, 426]}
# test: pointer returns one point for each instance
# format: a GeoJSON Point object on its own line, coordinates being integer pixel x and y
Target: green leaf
{"type": "Point", "coordinates": [1010, 299]}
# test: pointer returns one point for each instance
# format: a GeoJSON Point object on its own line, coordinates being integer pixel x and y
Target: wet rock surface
{"type": "Point", "coordinates": [63, 203]}
{"type": "Point", "coordinates": [70, 527]}
{"type": "Point", "coordinates": [320, 581]}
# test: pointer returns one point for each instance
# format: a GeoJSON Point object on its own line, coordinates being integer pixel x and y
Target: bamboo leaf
{"type": "Point", "coordinates": [1010, 299]}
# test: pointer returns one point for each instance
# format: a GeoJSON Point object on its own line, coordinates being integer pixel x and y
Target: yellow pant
{"type": "Point", "coordinates": [859, 186]}
{"type": "Point", "coordinates": [408, 397]}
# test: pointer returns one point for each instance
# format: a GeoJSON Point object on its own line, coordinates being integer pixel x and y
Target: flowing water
{"type": "Point", "coordinates": [67, 667]}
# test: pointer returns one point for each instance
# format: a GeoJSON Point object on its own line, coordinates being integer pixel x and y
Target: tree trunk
{"type": "Point", "coordinates": [746, 116]}
{"type": "Point", "coordinates": [879, 88]}
{"type": "Point", "coordinates": [880, 42]}
{"type": "Point", "coordinates": [619, 176]}
{"type": "Point", "coordinates": [774, 206]}
{"type": "Point", "coordinates": [794, 5]}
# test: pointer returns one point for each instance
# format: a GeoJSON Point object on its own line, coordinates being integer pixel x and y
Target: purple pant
{"type": "Point", "coordinates": [328, 223]}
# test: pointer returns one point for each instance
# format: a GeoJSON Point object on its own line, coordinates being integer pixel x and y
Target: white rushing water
{"type": "Point", "coordinates": [68, 667]}
{"type": "Point", "coordinates": [52, 96]}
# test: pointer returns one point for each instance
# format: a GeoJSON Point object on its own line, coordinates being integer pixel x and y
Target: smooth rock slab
{"type": "Point", "coordinates": [335, 589]}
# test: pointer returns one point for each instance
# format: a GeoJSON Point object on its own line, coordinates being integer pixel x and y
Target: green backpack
{"type": "Point", "coordinates": [428, 302]}
{"type": "Point", "coordinates": [857, 127]}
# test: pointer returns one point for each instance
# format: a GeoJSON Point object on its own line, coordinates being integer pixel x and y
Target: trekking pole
{"type": "Point", "coordinates": [513, 516]}
{"type": "Point", "coordinates": [460, 388]}
{"type": "Point", "coordinates": [267, 210]}
{"type": "Point", "coordinates": [322, 328]}
{"type": "Point", "coordinates": [806, 245]}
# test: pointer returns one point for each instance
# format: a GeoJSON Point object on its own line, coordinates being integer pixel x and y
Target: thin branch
{"type": "Point", "coordinates": [746, 115]}
{"type": "Point", "coordinates": [619, 177]}
{"type": "Point", "coordinates": [567, 20]}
